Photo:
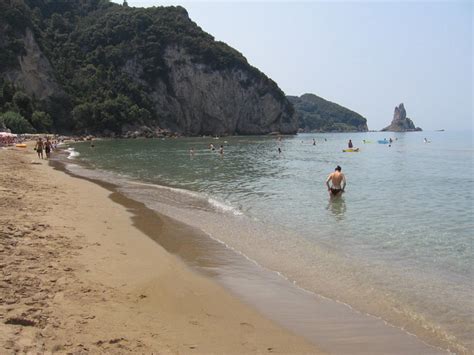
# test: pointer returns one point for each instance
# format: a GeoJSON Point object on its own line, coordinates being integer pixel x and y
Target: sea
{"type": "Point", "coordinates": [397, 247]}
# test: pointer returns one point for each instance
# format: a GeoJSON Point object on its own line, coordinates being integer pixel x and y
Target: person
{"type": "Point", "coordinates": [279, 150]}
{"type": "Point", "coordinates": [191, 151]}
{"type": "Point", "coordinates": [39, 147]}
{"type": "Point", "coordinates": [221, 150]}
{"type": "Point", "coordinates": [350, 145]}
{"type": "Point", "coordinates": [47, 148]}
{"type": "Point", "coordinates": [336, 178]}
{"type": "Point", "coordinates": [211, 147]}
{"type": "Point", "coordinates": [390, 140]}
{"type": "Point", "coordinates": [314, 141]}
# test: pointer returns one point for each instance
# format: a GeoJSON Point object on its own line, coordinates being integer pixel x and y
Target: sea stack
{"type": "Point", "coordinates": [400, 122]}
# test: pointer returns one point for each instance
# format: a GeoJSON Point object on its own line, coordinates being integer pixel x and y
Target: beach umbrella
{"type": "Point", "coordinates": [7, 134]}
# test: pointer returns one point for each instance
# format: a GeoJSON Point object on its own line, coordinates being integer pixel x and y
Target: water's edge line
{"type": "Point", "coordinates": [61, 166]}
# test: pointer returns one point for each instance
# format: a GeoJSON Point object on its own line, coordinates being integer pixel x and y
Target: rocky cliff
{"type": "Point", "coordinates": [227, 101]}
{"type": "Point", "coordinates": [98, 67]}
{"type": "Point", "coordinates": [315, 114]}
{"type": "Point", "coordinates": [400, 121]}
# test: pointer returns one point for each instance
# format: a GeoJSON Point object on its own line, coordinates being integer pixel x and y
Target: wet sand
{"type": "Point", "coordinates": [78, 274]}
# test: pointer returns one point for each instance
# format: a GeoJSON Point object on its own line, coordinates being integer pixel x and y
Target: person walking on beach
{"type": "Point", "coordinates": [350, 145]}
{"type": "Point", "coordinates": [39, 147]}
{"type": "Point", "coordinates": [336, 178]}
{"type": "Point", "coordinates": [47, 148]}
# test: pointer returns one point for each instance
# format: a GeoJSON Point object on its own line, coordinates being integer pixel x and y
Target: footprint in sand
{"type": "Point", "coordinates": [248, 336]}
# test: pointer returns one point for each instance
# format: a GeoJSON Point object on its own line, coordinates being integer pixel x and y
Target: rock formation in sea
{"type": "Point", "coordinates": [316, 114]}
{"type": "Point", "coordinates": [400, 122]}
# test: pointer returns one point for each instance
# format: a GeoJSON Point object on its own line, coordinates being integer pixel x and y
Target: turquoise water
{"type": "Point", "coordinates": [397, 245]}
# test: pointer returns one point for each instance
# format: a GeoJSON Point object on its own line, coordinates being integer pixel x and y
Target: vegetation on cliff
{"type": "Point", "coordinates": [89, 45]}
{"type": "Point", "coordinates": [319, 115]}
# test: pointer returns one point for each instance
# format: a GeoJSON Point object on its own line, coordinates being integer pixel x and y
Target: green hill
{"type": "Point", "coordinates": [93, 66]}
{"type": "Point", "coordinates": [319, 115]}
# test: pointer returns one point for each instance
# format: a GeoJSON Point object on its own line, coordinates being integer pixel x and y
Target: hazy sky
{"type": "Point", "coordinates": [367, 56]}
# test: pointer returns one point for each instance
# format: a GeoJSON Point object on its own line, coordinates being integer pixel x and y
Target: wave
{"type": "Point", "coordinates": [73, 154]}
{"type": "Point", "coordinates": [214, 203]}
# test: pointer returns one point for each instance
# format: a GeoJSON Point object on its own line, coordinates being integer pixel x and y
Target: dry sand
{"type": "Point", "coordinates": [76, 276]}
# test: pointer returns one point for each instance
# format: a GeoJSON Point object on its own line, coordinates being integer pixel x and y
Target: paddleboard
{"type": "Point", "coordinates": [350, 150]}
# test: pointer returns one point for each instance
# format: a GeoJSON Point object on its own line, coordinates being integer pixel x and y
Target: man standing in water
{"type": "Point", "coordinates": [336, 178]}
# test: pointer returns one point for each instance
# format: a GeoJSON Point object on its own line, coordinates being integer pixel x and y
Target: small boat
{"type": "Point", "coordinates": [350, 150]}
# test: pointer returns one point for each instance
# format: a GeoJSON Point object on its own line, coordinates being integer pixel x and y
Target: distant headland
{"type": "Point", "coordinates": [316, 114]}
{"type": "Point", "coordinates": [400, 122]}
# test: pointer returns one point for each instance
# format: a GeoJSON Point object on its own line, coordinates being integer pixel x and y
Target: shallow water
{"type": "Point", "coordinates": [398, 244]}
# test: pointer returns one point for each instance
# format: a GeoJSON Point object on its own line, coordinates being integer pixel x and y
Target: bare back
{"type": "Point", "coordinates": [336, 178]}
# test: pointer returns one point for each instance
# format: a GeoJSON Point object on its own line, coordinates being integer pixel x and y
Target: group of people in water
{"type": "Point", "coordinates": [211, 147]}
{"type": "Point", "coordinates": [46, 146]}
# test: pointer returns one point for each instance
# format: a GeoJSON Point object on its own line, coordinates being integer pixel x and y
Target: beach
{"type": "Point", "coordinates": [78, 276]}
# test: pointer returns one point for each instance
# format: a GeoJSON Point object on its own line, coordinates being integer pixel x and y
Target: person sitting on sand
{"type": "Point", "coordinates": [39, 147]}
{"type": "Point", "coordinates": [336, 178]}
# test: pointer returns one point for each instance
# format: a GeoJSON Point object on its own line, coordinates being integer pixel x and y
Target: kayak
{"type": "Point", "coordinates": [366, 141]}
{"type": "Point", "coordinates": [383, 141]}
{"type": "Point", "coordinates": [350, 150]}
{"type": "Point", "coordinates": [20, 145]}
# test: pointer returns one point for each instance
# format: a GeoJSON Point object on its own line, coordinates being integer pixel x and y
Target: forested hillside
{"type": "Point", "coordinates": [319, 115]}
{"type": "Point", "coordinates": [95, 66]}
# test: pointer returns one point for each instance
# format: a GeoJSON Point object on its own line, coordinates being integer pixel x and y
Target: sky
{"type": "Point", "coordinates": [367, 56]}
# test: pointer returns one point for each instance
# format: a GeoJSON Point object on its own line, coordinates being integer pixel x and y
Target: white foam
{"type": "Point", "coordinates": [218, 205]}
{"type": "Point", "coordinates": [73, 154]}
{"type": "Point", "coordinates": [223, 207]}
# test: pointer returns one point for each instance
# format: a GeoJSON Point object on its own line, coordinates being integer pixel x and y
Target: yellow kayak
{"type": "Point", "coordinates": [20, 145]}
{"type": "Point", "coordinates": [350, 150]}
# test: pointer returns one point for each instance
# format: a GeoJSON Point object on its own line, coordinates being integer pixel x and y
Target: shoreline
{"type": "Point", "coordinates": [104, 286]}
{"type": "Point", "coordinates": [332, 325]}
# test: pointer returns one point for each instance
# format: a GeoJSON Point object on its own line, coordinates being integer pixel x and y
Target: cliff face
{"type": "Point", "coordinates": [99, 67]}
{"type": "Point", "coordinates": [207, 101]}
{"type": "Point", "coordinates": [319, 115]}
{"type": "Point", "coordinates": [34, 73]}
{"type": "Point", "coordinates": [400, 122]}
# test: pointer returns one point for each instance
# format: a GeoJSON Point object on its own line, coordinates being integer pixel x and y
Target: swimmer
{"type": "Point", "coordinates": [336, 178]}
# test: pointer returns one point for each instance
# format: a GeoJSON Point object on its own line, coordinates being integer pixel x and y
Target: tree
{"type": "Point", "coordinates": [41, 121]}
{"type": "Point", "coordinates": [23, 104]}
{"type": "Point", "coordinates": [8, 91]}
{"type": "Point", "coordinates": [16, 122]}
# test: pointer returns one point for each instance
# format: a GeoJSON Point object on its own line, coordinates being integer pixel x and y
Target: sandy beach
{"type": "Point", "coordinates": [78, 276]}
